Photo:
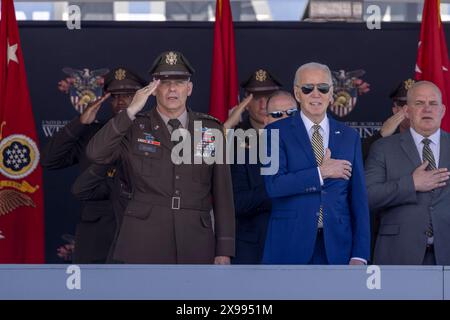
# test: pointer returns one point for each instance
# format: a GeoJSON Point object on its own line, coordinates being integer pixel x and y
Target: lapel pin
{"type": "Point", "coordinates": [141, 125]}
{"type": "Point", "coordinates": [337, 132]}
{"type": "Point", "coordinates": [156, 127]}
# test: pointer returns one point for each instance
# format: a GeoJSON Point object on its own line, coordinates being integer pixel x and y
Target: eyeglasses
{"type": "Point", "coordinates": [279, 114]}
{"type": "Point", "coordinates": [309, 87]}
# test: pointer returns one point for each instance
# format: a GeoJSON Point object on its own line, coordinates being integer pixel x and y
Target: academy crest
{"type": "Point", "coordinates": [345, 91]}
{"type": "Point", "coordinates": [83, 86]}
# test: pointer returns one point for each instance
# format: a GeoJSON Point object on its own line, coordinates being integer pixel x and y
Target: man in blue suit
{"type": "Point", "coordinates": [319, 212]}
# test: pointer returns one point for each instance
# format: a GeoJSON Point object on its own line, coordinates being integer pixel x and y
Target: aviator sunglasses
{"type": "Point", "coordinates": [309, 87]}
{"type": "Point", "coordinates": [279, 114]}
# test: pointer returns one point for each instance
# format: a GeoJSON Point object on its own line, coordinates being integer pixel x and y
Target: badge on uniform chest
{"type": "Point", "coordinates": [206, 147]}
{"type": "Point", "coordinates": [149, 139]}
{"type": "Point", "coordinates": [148, 143]}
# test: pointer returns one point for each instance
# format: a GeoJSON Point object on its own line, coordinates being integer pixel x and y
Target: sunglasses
{"type": "Point", "coordinates": [322, 87]}
{"type": "Point", "coordinates": [279, 114]}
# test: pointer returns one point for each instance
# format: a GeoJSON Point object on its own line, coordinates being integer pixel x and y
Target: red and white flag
{"type": "Point", "coordinates": [21, 195]}
{"type": "Point", "coordinates": [432, 56]}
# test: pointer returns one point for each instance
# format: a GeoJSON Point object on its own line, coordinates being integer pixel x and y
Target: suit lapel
{"type": "Point", "coordinates": [334, 139]}
{"type": "Point", "coordinates": [444, 156]}
{"type": "Point", "coordinates": [444, 152]}
{"type": "Point", "coordinates": [299, 132]}
{"type": "Point", "coordinates": [409, 147]}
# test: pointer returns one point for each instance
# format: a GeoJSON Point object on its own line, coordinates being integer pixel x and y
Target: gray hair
{"type": "Point", "coordinates": [412, 89]}
{"type": "Point", "coordinates": [279, 93]}
{"type": "Point", "coordinates": [313, 66]}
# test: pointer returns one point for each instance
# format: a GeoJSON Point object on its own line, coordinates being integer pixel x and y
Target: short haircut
{"type": "Point", "coordinates": [279, 93]}
{"type": "Point", "coordinates": [313, 66]}
{"type": "Point", "coordinates": [418, 84]}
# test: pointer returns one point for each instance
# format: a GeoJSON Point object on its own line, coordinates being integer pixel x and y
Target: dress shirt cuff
{"type": "Point", "coordinates": [360, 259]}
{"type": "Point", "coordinates": [320, 176]}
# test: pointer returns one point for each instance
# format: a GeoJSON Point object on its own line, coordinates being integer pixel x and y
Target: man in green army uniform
{"type": "Point", "coordinates": [168, 218]}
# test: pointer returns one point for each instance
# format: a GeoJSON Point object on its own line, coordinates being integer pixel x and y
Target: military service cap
{"type": "Point", "coordinates": [261, 82]}
{"type": "Point", "coordinates": [399, 93]}
{"type": "Point", "coordinates": [171, 64]}
{"type": "Point", "coordinates": [122, 80]}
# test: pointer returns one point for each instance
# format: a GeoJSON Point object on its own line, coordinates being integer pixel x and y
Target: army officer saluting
{"type": "Point", "coordinates": [168, 218]}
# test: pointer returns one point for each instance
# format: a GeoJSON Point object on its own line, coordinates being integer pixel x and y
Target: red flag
{"type": "Point", "coordinates": [224, 81]}
{"type": "Point", "coordinates": [21, 198]}
{"type": "Point", "coordinates": [432, 57]}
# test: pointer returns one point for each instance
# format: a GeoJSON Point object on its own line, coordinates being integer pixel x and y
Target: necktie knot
{"type": "Point", "coordinates": [174, 123]}
{"type": "Point", "coordinates": [316, 128]}
{"type": "Point", "coordinates": [426, 141]}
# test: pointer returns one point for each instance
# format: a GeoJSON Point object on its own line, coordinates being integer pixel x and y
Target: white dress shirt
{"type": "Point", "coordinates": [434, 145]}
{"type": "Point", "coordinates": [324, 132]}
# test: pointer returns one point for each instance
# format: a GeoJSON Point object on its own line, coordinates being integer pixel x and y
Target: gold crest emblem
{"type": "Point", "coordinates": [171, 58]}
{"type": "Point", "coordinates": [120, 74]}
{"type": "Point", "coordinates": [408, 83]}
{"type": "Point", "coordinates": [261, 75]}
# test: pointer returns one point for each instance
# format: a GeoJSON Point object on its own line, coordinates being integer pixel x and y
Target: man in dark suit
{"type": "Point", "coordinates": [252, 205]}
{"type": "Point", "coordinates": [168, 217]}
{"type": "Point", "coordinates": [407, 182]}
{"type": "Point", "coordinates": [95, 231]}
{"type": "Point", "coordinates": [319, 201]}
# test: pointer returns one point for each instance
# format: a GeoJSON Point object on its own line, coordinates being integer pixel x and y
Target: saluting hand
{"type": "Point", "coordinates": [235, 115]}
{"type": "Point", "coordinates": [140, 98]}
{"type": "Point", "coordinates": [333, 168]}
{"type": "Point", "coordinates": [391, 124]}
{"type": "Point", "coordinates": [89, 114]}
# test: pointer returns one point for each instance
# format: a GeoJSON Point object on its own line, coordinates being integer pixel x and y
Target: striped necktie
{"type": "Point", "coordinates": [427, 154]}
{"type": "Point", "coordinates": [317, 144]}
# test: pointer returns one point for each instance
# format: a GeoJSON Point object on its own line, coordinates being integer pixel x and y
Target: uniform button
{"type": "Point", "coordinates": [177, 192]}
{"type": "Point", "coordinates": [177, 177]}
{"type": "Point", "coordinates": [146, 153]}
